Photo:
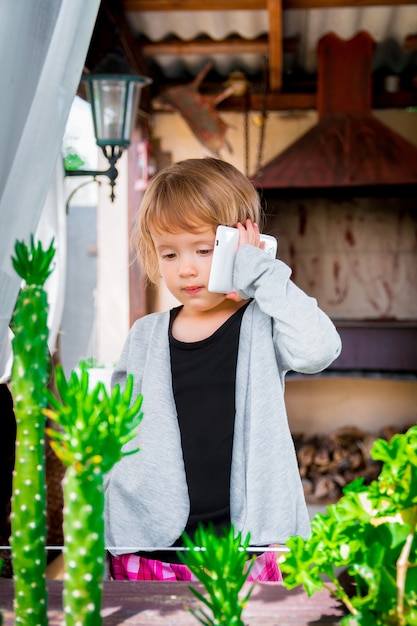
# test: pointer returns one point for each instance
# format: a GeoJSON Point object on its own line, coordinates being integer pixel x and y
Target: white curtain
{"type": "Point", "coordinates": [43, 45]}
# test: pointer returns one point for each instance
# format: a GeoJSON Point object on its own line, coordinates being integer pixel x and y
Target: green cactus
{"type": "Point", "coordinates": [30, 371]}
{"type": "Point", "coordinates": [94, 426]}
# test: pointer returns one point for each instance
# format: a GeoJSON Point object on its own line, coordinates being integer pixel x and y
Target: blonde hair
{"type": "Point", "coordinates": [188, 195]}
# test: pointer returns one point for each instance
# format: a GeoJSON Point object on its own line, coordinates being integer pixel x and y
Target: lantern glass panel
{"type": "Point", "coordinates": [109, 110]}
{"type": "Point", "coordinates": [131, 109]}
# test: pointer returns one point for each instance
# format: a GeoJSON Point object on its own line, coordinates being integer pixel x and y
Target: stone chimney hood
{"type": "Point", "coordinates": [348, 147]}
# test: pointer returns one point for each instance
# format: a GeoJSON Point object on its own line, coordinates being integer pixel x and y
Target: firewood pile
{"type": "Point", "coordinates": [329, 462]}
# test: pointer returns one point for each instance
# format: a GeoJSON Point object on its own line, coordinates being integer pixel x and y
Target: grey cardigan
{"type": "Point", "coordinates": [146, 497]}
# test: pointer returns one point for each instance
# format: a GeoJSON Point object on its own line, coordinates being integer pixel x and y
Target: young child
{"type": "Point", "coordinates": [214, 442]}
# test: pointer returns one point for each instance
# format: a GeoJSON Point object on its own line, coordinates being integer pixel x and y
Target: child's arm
{"type": "Point", "coordinates": [306, 338]}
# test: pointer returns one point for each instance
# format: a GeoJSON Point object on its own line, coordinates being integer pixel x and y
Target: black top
{"type": "Point", "coordinates": [203, 382]}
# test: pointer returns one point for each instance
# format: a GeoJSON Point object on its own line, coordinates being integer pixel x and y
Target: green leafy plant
{"type": "Point", "coordinates": [94, 427]}
{"type": "Point", "coordinates": [72, 161]}
{"type": "Point", "coordinates": [220, 564]}
{"type": "Point", "coordinates": [372, 532]}
{"type": "Point", "coordinates": [30, 373]}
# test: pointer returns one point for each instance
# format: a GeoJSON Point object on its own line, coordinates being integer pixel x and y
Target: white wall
{"type": "Point", "coordinates": [113, 267]}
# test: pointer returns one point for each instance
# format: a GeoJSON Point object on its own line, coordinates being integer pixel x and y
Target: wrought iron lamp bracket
{"type": "Point", "coordinates": [112, 154]}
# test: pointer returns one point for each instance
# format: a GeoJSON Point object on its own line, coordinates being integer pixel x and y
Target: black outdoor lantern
{"type": "Point", "coordinates": [113, 92]}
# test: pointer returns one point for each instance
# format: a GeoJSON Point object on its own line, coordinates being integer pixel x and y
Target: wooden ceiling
{"type": "Point", "coordinates": [114, 13]}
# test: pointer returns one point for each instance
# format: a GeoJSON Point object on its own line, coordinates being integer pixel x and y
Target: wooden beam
{"type": "Point", "coordinates": [276, 101]}
{"type": "Point", "coordinates": [193, 5]}
{"type": "Point", "coordinates": [279, 101]}
{"type": "Point", "coordinates": [251, 5]}
{"type": "Point", "coordinates": [232, 45]}
{"type": "Point", "coordinates": [275, 44]}
{"type": "Point", "coordinates": [342, 4]}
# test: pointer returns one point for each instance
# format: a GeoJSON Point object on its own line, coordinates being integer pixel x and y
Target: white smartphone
{"type": "Point", "coordinates": [225, 248]}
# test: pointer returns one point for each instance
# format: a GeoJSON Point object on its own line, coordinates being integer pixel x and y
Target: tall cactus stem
{"type": "Point", "coordinates": [29, 379]}
{"type": "Point", "coordinates": [84, 547]}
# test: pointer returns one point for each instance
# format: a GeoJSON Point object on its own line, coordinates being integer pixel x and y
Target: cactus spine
{"type": "Point", "coordinates": [93, 429]}
{"type": "Point", "coordinates": [29, 379]}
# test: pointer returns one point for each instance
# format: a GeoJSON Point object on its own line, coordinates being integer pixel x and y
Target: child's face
{"type": "Point", "coordinates": [184, 262]}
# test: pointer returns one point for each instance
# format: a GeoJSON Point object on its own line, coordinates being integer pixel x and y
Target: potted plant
{"type": "Point", "coordinates": [372, 532]}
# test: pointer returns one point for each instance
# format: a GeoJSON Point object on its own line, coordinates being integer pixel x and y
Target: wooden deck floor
{"type": "Point", "coordinates": [162, 603]}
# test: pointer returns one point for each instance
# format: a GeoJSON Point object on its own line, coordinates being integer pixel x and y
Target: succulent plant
{"type": "Point", "coordinates": [371, 533]}
{"type": "Point", "coordinates": [30, 372]}
{"type": "Point", "coordinates": [220, 563]}
{"type": "Point", "coordinates": [93, 428]}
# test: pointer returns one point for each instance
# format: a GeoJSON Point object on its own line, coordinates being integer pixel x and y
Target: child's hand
{"type": "Point", "coordinates": [233, 295]}
{"type": "Point", "coordinates": [248, 234]}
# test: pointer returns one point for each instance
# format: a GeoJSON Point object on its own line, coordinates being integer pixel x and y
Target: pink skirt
{"type": "Point", "coordinates": [132, 567]}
